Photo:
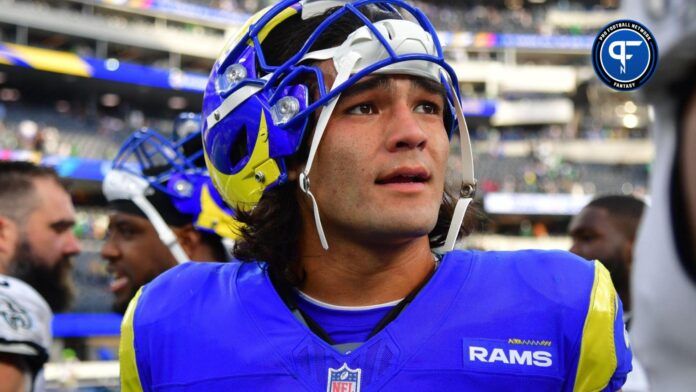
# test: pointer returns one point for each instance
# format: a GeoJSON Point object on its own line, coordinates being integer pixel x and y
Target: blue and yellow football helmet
{"type": "Point", "coordinates": [256, 113]}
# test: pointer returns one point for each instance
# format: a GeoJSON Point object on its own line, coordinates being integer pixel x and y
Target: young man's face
{"type": "Point", "coordinates": [595, 236]}
{"type": "Point", "coordinates": [135, 254]}
{"type": "Point", "coordinates": [379, 172]}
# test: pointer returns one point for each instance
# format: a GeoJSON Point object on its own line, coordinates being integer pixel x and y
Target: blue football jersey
{"type": "Point", "coordinates": [486, 321]}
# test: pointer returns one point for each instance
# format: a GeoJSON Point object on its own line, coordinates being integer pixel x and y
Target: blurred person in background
{"type": "Point", "coordinates": [348, 279]}
{"type": "Point", "coordinates": [165, 210]}
{"type": "Point", "coordinates": [27, 131]}
{"type": "Point", "coordinates": [605, 230]}
{"type": "Point", "coordinates": [664, 272]}
{"type": "Point", "coordinates": [36, 246]}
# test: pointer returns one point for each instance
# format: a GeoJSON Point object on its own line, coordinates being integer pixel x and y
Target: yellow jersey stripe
{"type": "Point", "coordinates": [597, 353]}
{"type": "Point", "coordinates": [130, 379]}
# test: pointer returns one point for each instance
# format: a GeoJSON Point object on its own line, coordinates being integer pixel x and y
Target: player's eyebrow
{"type": "Point", "coordinates": [380, 81]}
{"type": "Point", "coordinates": [62, 225]}
{"type": "Point", "coordinates": [430, 86]}
{"type": "Point", "coordinates": [386, 82]}
{"type": "Point", "coordinates": [119, 220]}
{"type": "Point", "coordinates": [582, 230]}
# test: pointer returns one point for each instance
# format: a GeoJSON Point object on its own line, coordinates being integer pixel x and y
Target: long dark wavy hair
{"type": "Point", "coordinates": [271, 230]}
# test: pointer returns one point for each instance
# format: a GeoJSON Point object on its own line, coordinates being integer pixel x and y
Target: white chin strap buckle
{"type": "Point", "coordinates": [304, 186]}
{"type": "Point", "coordinates": [465, 198]}
{"type": "Point", "coordinates": [304, 182]}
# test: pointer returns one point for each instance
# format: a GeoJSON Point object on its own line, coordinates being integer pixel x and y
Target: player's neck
{"type": "Point", "coordinates": [201, 253]}
{"type": "Point", "coordinates": [4, 265]}
{"type": "Point", "coordinates": [350, 275]}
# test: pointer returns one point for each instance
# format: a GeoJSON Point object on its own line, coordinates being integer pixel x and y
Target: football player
{"type": "Point", "coordinates": [165, 210]}
{"type": "Point", "coordinates": [327, 127]}
{"type": "Point", "coordinates": [664, 273]}
{"type": "Point", "coordinates": [36, 246]}
{"type": "Point", "coordinates": [605, 230]}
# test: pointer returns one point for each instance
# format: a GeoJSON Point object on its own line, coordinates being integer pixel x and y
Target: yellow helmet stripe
{"type": "Point", "coordinates": [285, 14]}
{"type": "Point", "coordinates": [215, 218]}
{"type": "Point", "coordinates": [243, 190]}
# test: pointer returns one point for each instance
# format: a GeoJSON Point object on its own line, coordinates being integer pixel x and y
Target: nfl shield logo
{"type": "Point", "coordinates": [344, 379]}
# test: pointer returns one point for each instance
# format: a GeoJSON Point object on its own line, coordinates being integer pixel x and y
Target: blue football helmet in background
{"type": "Point", "coordinates": [149, 162]}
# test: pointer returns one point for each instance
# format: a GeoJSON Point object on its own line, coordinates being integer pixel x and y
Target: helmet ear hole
{"type": "Point", "coordinates": [239, 149]}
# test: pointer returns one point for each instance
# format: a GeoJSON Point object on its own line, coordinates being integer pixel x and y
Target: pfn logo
{"type": "Point", "coordinates": [624, 55]}
{"type": "Point", "coordinates": [621, 55]}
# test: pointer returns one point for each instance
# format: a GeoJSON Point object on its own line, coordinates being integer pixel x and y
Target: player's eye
{"type": "Point", "coordinates": [125, 231]}
{"type": "Point", "coordinates": [587, 238]}
{"type": "Point", "coordinates": [428, 108]}
{"type": "Point", "coordinates": [362, 109]}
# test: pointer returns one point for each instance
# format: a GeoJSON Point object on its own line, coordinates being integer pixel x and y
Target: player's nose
{"type": "Point", "coordinates": [405, 132]}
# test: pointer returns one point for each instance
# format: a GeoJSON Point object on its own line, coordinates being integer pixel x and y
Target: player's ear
{"type": "Point", "coordinates": [295, 167]}
{"type": "Point", "coordinates": [294, 173]}
{"type": "Point", "coordinates": [8, 238]}
{"type": "Point", "coordinates": [189, 238]}
{"type": "Point", "coordinates": [627, 252]}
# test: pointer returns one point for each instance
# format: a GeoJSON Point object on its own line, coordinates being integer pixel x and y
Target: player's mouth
{"type": "Point", "coordinates": [118, 282]}
{"type": "Point", "coordinates": [405, 179]}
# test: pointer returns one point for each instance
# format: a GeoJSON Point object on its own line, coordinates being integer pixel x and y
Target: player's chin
{"type": "Point", "coordinates": [120, 306]}
{"type": "Point", "coordinates": [417, 209]}
{"type": "Point", "coordinates": [122, 298]}
{"type": "Point", "coordinates": [412, 223]}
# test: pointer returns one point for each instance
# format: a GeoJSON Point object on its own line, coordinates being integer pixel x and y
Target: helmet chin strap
{"type": "Point", "coordinates": [468, 181]}
{"type": "Point", "coordinates": [119, 184]}
{"type": "Point", "coordinates": [345, 67]}
{"type": "Point", "coordinates": [165, 234]}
